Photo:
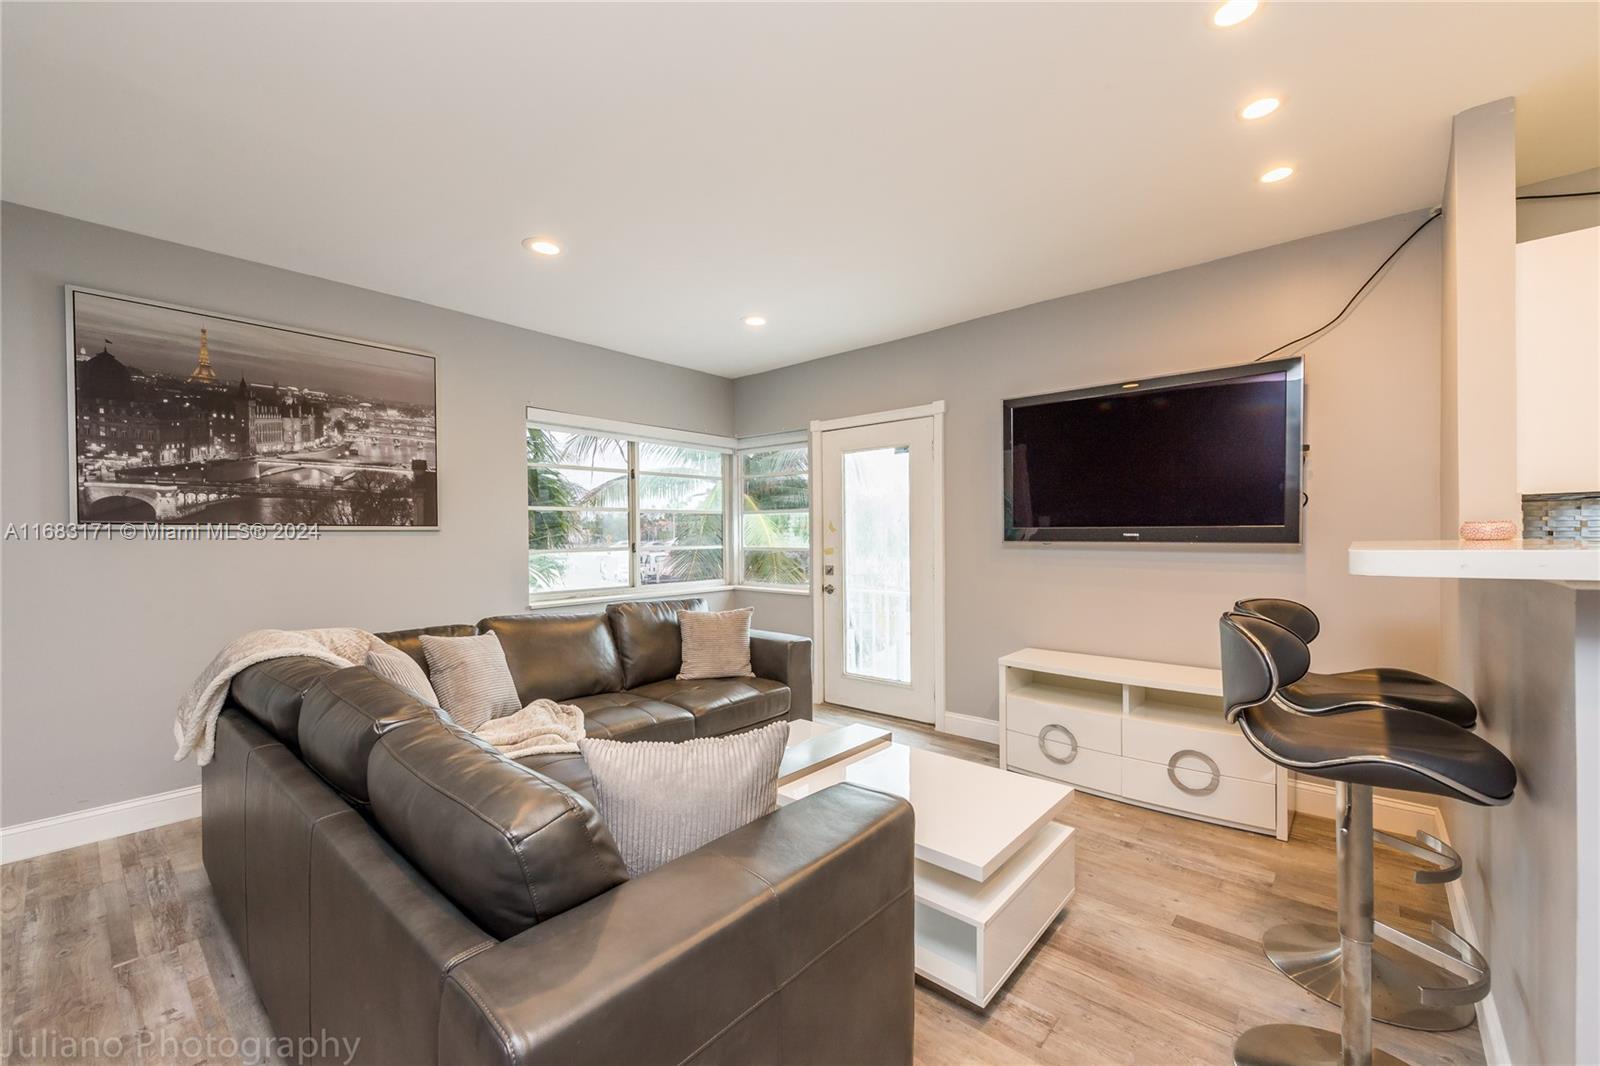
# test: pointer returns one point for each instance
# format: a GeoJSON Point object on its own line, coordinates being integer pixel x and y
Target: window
{"type": "Point", "coordinates": [775, 517]}
{"type": "Point", "coordinates": [609, 512]}
{"type": "Point", "coordinates": [680, 514]}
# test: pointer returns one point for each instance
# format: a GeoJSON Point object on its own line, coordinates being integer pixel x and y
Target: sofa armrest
{"type": "Point", "coordinates": [787, 658]}
{"type": "Point", "coordinates": [787, 940]}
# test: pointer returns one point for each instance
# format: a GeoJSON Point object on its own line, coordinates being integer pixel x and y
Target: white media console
{"type": "Point", "coordinates": [1146, 733]}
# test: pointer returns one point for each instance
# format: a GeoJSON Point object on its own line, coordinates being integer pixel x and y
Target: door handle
{"type": "Point", "coordinates": [828, 589]}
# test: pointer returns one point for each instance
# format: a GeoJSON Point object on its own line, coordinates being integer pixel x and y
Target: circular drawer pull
{"type": "Point", "coordinates": [1211, 764]}
{"type": "Point", "coordinates": [1066, 735]}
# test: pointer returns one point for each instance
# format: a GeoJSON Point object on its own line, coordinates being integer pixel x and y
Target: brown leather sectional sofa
{"type": "Point", "coordinates": [391, 879]}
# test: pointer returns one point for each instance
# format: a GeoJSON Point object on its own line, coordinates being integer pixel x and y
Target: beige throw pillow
{"type": "Point", "coordinates": [401, 671]}
{"type": "Point", "coordinates": [471, 677]}
{"type": "Point", "coordinates": [715, 643]}
{"type": "Point", "coordinates": [664, 800]}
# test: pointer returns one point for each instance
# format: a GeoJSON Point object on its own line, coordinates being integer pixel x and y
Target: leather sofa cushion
{"type": "Point", "coordinates": [648, 640]}
{"type": "Point", "coordinates": [410, 640]}
{"type": "Point", "coordinates": [506, 844]}
{"type": "Point", "coordinates": [566, 768]}
{"type": "Point", "coordinates": [344, 714]}
{"type": "Point", "coordinates": [630, 716]}
{"type": "Point", "coordinates": [558, 656]}
{"type": "Point", "coordinates": [271, 692]}
{"type": "Point", "coordinates": [724, 704]}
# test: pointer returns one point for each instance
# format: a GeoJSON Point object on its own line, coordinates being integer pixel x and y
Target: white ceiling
{"type": "Point", "coordinates": [854, 172]}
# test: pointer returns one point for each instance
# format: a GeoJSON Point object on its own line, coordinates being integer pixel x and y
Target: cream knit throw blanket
{"type": "Point", "coordinates": [195, 728]}
{"type": "Point", "coordinates": [541, 726]}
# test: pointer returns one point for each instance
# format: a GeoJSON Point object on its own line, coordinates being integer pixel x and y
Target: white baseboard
{"type": "Point", "coordinates": [98, 823]}
{"type": "Point", "coordinates": [1392, 815]}
{"type": "Point", "coordinates": [972, 727]}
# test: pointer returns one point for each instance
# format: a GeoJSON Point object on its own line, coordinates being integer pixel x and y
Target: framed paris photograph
{"type": "Point", "coordinates": [193, 418]}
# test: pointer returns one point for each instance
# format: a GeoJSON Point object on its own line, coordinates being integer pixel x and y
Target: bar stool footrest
{"type": "Point", "coordinates": [1467, 963]}
{"type": "Point", "coordinates": [1429, 849]}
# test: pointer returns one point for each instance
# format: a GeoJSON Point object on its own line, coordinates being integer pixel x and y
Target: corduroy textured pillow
{"type": "Point", "coordinates": [471, 677]}
{"type": "Point", "coordinates": [715, 644]}
{"type": "Point", "coordinates": [663, 800]}
{"type": "Point", "coordinates": [401, 671]}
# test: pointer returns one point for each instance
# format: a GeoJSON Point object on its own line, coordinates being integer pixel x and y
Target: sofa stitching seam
{"type": "Point", "coordinates": [847, 935]}
{"type": "Point", "coordinates": [470, 987]}
{"type": "Point", "coordinates": [714, 1037]}
{"type": "Point", "coordinates": [311, 847]}
{"type": "Point", "coordinates": [463, 955]}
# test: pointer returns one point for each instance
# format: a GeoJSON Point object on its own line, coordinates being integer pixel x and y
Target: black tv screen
{"type": "Point", "coordinates": [1208, 456]}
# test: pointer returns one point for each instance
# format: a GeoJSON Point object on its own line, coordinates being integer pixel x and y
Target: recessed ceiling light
{"type": "Point", "coordinates": [1233, 12]}
{"type": "Point", "coordinates": [542, 246]}
{"type": "Point", "coordinates": [755, 320]}
{"type": "Point", "coordinates": [1131, 385]}
{"type": "Point", "coordinates": [1260, 108]}
{"type": "Point", "coordinates": [1276, 174]}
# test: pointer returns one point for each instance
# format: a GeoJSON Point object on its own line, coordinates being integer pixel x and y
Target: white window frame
{"type": "Point", "coordinates": [764, 443]}
{"type": "Point", "coordinates": [634, 434]}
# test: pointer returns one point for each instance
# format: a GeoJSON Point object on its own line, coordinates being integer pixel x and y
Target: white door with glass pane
{"type": "Point", "coordinates": [876, 484]}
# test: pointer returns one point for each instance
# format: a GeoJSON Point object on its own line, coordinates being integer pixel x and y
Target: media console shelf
{"type": "Point", "coordinates": [1147, 733]}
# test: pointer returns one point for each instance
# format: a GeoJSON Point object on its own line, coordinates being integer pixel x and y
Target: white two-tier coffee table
{"type": "Point", "coordinates": [993, 869]}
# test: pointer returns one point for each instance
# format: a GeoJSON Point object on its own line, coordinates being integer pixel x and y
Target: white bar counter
{"type": "Point", "coordinates": [1509, 560]}
{"type": "Point", "coordinates": [1523, 640]}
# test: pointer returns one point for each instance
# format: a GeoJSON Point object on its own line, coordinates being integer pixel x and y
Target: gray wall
{"type": "Point", "coordinates": [1373, 473]}
{"type": "Point", "coordinates": [100, 639]}
{"type": "Point", "coordinates": [1546, 218]}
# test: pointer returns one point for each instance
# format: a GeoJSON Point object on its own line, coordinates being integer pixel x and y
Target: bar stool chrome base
{"type": "Point", "coordinates": [1309, 956]}
{"type": "Point", "coordinates": [1297, 1045]}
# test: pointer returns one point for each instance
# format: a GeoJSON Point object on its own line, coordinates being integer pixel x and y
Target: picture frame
{"type": "Point", "coordinates": [182, 417]}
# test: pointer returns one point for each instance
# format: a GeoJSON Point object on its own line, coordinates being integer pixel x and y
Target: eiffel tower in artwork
{"type": "Point", "coordinates": [202, 371]}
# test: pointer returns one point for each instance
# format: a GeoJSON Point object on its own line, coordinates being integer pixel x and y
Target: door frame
{"type": "Point", "coordinates": [934, 410]}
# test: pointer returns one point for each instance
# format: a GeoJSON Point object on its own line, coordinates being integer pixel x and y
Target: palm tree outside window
{"type": "Point", "coordinates": [775, 517]}
{"type": "Point", "coordinates": [605, 513]}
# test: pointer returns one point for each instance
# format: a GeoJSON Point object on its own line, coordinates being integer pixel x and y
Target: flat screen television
{"type": "Point", "coordinates": [1208, 456]}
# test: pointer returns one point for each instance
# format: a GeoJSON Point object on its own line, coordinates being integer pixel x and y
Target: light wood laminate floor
{"type": "Point", "coordinates": [1158, 958]}
{"type": "Point", "coordinates": [1155, 962]}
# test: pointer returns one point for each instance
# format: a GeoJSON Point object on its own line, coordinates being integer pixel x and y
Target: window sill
{"type": "Point", "coordinates": [775, 590]}
{"type": "Point", "coordinates": [627, 596]}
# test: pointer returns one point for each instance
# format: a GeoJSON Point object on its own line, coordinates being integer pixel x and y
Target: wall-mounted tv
{"type": "Point", "coordinates": [1207, 456]}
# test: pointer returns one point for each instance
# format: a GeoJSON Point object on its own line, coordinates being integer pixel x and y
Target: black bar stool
{"type": "Point", "coordinates": [1308, 953]}
{"type": "Point", "coordinates": [1357, 750]}
{"type": "Point", "coordinates": [1377, 686]}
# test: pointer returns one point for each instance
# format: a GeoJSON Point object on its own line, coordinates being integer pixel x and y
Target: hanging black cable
{"type": "Point", "coordinates": [1365, 285]}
